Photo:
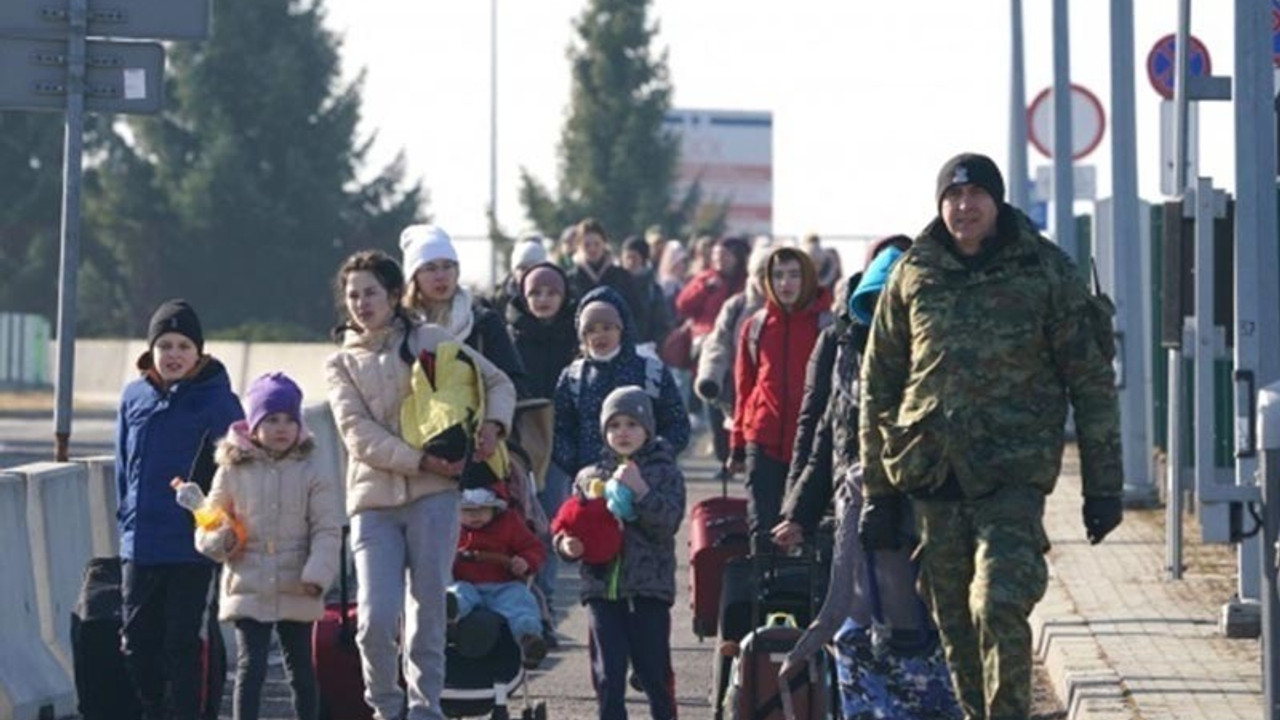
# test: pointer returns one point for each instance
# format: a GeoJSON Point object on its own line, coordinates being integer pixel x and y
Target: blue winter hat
{"type": "Point", "coordinates": [863, 301]}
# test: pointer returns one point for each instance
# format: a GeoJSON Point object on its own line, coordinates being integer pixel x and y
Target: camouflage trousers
{"type": "Point", "coordinates": [982, 570]}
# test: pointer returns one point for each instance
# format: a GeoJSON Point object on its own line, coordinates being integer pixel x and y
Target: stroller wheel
{"type": "Point", "coordinates": [500, 713]}
{"type": "Point", "coordinates": [540, 711]}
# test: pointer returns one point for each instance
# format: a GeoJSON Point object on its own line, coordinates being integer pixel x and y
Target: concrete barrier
{"type": "Point", "coordinates": [60, 533]}
{"type": "Point", "coordinates": [304, 362]}
{"type": "Point", "coordinates": [33, 684]}
{"type": "Point", "coordinates": [331, 453]}
{"type": "Point", "coordinates": [103, 503]}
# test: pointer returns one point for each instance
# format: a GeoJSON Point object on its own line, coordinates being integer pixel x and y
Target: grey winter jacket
{"type": "Point", "coordinates": [714, 379]}
{"type": "Point", "coordinates": [647, 564]}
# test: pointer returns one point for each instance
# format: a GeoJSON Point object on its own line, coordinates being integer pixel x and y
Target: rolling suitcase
{"type": "Point", "coordinates": [337, 658]}
{"type": "Point", "coordinates": [755, 691]}
{"type": "Point", "coordinates": [717, 534]}
{"type": "Point", "coordinates": [103, 687]}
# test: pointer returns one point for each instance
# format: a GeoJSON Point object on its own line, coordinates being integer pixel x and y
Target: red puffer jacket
{"type": "Point", "coordinates": [702, 297]}
{"type": "Point", "coordinates": [506, 535]}
{"type": "Point", "coordinates": [769, 382]}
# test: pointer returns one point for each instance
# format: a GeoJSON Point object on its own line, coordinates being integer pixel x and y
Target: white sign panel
{"type": "Point", "coordinates": [731, 154]}
{"type": "Point", "coordinates": [1084, 181]}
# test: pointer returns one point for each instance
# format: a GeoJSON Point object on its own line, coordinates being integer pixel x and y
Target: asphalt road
{"type": "Point", "coordinates": [26, 436]}
{"type": "Point", "coordinates": [563, 681]}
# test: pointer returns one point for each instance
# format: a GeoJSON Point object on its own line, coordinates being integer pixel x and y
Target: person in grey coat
{"type": "Point", "coordinates": [629, 599]}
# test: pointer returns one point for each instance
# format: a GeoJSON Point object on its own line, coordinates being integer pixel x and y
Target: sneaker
{"type": "Point", "coordinates": [534, 649]}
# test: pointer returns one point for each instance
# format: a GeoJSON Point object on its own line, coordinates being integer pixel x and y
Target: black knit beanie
{"type": "Point", "coordinates": [177, 316]}
{"type": "Point", "coordinates": [971, 168]}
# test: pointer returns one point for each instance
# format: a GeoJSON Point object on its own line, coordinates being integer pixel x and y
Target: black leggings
{"type": "Point", "coordinates": [254, 640]}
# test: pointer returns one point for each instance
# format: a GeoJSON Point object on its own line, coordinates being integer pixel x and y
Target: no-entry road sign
{"type": "Point", "coordinates": [119, 77]}
{"type": "Point", "coordinates": [1088, 122]}
{"type": "Point", "coordinates": [1162, 63]}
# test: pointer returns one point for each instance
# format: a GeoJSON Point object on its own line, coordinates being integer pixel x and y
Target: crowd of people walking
{"type": "Point", "coordinates": [920, 402]}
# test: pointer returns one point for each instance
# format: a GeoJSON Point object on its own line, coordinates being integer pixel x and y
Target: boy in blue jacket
{"type": "Point", "coordinates": [168, 424]}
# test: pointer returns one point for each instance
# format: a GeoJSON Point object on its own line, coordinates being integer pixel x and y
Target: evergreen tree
{"type": "Point", "coordinates": [617, 161]}
{"type": "Point", "coordinates": [243, 195]}
{"type": "Point", "coordinates": [30, 207]}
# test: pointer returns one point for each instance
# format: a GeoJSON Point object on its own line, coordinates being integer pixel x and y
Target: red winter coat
{"type": "Point", "coordinates": [506, 534]}
{"type": "Point", "coordinates": [769, 384]}
{"type": "Point", "coordinates": [702, 297]}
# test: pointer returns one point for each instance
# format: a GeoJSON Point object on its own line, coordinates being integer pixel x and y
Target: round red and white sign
{"type": "Point", "coordinates": [1088, 122]}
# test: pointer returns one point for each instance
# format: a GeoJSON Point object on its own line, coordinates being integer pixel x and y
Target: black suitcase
{"type": "Point", "coordinates": [103, 686]}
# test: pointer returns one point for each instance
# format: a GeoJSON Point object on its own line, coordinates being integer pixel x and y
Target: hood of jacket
{"type": "Point", "coordinates": [238, 446]}
{"type": "Point", "coordinates": [607, 294]}
{"type": "Point", "coordinates": [809, 286]}
{"type": "Point", "coordinates": [521, 318]}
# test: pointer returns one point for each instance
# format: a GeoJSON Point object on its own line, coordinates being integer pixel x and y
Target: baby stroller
{"type": "Point", "coordinates": [484, 666]}
{"type": "Point", "coordinates": [484, 669]}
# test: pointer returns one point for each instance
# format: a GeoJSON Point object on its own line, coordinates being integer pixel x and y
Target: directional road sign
{"type": "Point", "coordinates": [144, 19]}
{"type": "Point", "coordinates": [119, 77]}
{"type": "Point", "coordinates": [1162, 63]}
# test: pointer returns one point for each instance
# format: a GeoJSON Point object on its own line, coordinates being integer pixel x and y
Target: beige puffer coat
{"type": "Point", "coordinates": [293, 518]}
{"type": "Point", "coordinates": [368, 382]}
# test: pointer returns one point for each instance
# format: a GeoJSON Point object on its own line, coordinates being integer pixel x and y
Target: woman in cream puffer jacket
{"type": "Point", "coordinates": [403, 502]}
{"type": "Point", "coordinates": [293, 518]}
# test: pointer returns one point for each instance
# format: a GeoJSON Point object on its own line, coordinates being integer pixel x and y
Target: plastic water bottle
{"type": "Point", "coordinates": [190, 496]}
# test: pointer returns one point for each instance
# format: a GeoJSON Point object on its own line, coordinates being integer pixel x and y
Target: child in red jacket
{"type": "Point", "coordinates": [496, 554]}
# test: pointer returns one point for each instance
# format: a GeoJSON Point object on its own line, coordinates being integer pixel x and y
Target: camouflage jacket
{"type": "Point", "coordinates": [969, 371]}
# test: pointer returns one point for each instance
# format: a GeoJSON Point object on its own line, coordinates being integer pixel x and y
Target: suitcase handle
{"type": "Point", "coordinates": [347, 634]}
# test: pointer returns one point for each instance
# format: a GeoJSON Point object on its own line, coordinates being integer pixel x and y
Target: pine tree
{"type": "Point", "coordinates": [617, 161]}
{"type": "Point", "coordinates": [244, 195]}
{"type": "Point", "coordinates": [30, 206]}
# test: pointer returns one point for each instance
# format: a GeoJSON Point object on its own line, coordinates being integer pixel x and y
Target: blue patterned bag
{"type": "Point", "coordinates": [878, 682]}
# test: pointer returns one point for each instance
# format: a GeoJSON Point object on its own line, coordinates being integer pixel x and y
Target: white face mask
{"type": "Point", "coordinates": [606, 357]}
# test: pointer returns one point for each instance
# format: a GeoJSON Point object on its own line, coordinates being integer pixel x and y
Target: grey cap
{"type": "Point", "coordinates": [632, 401]}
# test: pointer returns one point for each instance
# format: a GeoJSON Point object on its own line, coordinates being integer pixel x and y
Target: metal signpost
{"type": "Point", "coordinates": [1086, 125]}
{"type": "Point", "coordinates": [50, 64]}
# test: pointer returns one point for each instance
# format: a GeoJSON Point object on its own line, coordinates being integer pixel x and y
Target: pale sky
{"type": "Point", "coordinates": [868, 98]}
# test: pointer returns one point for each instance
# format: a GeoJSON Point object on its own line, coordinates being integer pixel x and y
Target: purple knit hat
{"type": "Point", "coordinates": [272, 393]}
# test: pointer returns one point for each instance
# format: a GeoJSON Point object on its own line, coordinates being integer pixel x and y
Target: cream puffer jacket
{"type": "Point", "coordinates": [292, 515]}
{"type": "Point", "coordinates": [368, 382]}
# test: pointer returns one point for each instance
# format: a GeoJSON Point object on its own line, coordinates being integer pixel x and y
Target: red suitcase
{"type": "Point", "coordinates": [718, 533]}
{"type": "Point", "coordinates": [337, 658]}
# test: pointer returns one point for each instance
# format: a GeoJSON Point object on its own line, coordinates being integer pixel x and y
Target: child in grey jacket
{"type": "Point", "coordinates": [629, 599]}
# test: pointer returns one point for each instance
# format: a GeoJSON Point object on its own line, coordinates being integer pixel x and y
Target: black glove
{"type": "Point", "coordinates": [1101, 516]}
{"type": "Point", "coordinates": [879, 523]}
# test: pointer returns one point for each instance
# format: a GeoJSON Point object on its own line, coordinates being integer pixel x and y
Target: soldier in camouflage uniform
{"type": "Point", "coordinates": [982, 335]}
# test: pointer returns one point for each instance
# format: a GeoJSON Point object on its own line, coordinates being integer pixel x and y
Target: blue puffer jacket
{"type": "Point", "coordinates": [162, 434]}
{"type": "Point", "coordinates": [583, 385]}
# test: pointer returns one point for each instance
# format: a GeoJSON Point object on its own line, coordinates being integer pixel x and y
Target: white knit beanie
{"type": "Point", "coordinates": [423, 243]}
{"type": "Point", "coordinates": [527, 253]}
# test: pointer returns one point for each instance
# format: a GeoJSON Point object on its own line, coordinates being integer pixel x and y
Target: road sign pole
{"type": "Point", "coordinates": [1064, 222]}
{"type": "Point", "coordinates": [1017, 170]}
{"type": "Point", "coordinates": [1127, 261]}
{"type": "Point", "coordinates": [1180, 97]}
{"type": "Point", "coordinates": [70, 260]}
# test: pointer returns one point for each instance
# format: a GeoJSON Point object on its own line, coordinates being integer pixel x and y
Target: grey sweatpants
{"type": "Point", "coordinates": [404, 563]}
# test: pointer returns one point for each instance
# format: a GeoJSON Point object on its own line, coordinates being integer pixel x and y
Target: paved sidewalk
{"type": "Point", "coordinates": [1120, 641]}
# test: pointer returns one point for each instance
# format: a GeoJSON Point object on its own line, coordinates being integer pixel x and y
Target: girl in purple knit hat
{"type": "Point", "coordinates": [292, 516]}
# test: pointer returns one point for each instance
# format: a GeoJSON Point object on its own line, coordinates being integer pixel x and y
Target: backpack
{"type": "Point", "coordinates": [756, 328]}
{"type": "Point", "coordinates": [653, 369]}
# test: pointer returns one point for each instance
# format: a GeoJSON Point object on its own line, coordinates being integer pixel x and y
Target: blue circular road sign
{"type": "Point", "coordinates": [1162, 61]}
